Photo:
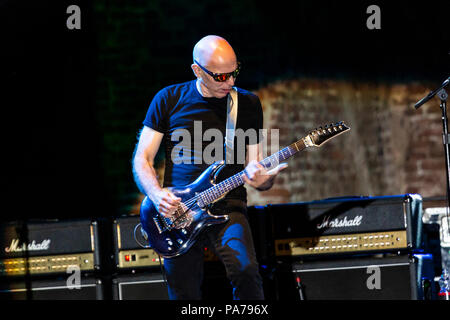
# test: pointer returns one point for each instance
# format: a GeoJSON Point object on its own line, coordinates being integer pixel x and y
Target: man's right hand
{"type": "Point", "coordinates": [166, 202]}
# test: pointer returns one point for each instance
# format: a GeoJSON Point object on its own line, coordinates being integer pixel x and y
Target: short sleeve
{"type": "Point", "coordinates": [156, 114]}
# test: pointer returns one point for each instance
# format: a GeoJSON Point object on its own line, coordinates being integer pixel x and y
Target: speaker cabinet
{"type": "Point", "coordinates": [89, 288]}
{"type": "Point", "coordinates": [358, 278]}
{"type": "Point", "coordinates": [143, 286]}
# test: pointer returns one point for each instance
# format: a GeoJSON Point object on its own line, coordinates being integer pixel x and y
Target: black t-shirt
{"type": "Point", "coordinates": [180, 112]}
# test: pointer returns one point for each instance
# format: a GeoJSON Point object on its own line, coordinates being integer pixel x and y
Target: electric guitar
{"type": "Point", "coordinates": [170, 237]}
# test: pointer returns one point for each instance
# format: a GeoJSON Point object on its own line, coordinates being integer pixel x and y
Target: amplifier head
{"type": "Point", "coordinates": [347, 224]}
{"type": "Point", "coordinates": [48, 247]}
{"type": "Point", "coordinates": [130, 249]}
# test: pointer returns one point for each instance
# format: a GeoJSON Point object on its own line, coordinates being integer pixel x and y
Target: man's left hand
{"type": "Point", "coordinates": [258, 177]}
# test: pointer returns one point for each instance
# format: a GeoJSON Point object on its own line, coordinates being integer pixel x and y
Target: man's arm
{"type": "Point", "coordinates": [256, 175]}
{"type": "Point", "coordinates": [145, 175]}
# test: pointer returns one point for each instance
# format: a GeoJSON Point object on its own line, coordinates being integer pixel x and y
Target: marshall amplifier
{"type": "Point", "coordinates": [347, 225]}
{"type": "Point", "coordinates": [378, 277]}
{"type": "Point", "coordinates": [144, 286]}
{"type": "Point", "coordinates": [129, 245]}
{"type": "Point", "coordinates": [60, 288]}
{"type": "Point", "coordinates": [48, 247]}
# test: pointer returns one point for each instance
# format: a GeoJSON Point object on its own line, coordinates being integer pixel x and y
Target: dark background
{"type": "Point", "coordinates": [73, 101]}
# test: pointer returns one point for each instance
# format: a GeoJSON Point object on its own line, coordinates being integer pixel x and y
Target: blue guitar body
{"type": "Point", "coordinates": [163, 235]}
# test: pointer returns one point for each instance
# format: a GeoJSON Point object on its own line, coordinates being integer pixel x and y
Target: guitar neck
{"type": "Point", "coordinates": [282, 155]}
{"type": "Point", "coordinates": [216, 192]}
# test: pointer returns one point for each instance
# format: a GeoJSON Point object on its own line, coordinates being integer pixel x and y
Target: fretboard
{"type": "Point", "coordinates": [216, 192]}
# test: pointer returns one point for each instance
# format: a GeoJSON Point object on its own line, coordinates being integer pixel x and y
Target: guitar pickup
{"type": "Point", "coordinates": [161, 224]}
{"type": "Point", "coordinates": [158, 226]}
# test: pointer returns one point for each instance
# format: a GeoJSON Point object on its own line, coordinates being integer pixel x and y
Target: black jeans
{"type": "Point", "coordinates": [233, 244]}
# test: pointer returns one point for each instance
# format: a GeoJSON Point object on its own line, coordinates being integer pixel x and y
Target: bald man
{"type": "Point", "coordinates": [176, 108]}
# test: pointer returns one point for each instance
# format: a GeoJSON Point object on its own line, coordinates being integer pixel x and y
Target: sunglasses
{"type": "Point", "coordinates": [221, 77]}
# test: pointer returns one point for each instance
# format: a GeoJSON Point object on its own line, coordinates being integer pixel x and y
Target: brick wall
{"type": "Point", "coordinates": [391, 148]}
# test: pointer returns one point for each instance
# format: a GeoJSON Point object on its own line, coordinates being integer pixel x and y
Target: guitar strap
{"type": "Point", "coordinates": [232, 109]}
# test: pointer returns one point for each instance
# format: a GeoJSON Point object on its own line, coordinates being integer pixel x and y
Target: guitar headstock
{"type": "Point", "coordinates": [321, 135]}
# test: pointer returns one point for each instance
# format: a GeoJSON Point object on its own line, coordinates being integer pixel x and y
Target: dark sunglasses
{"type": "Point", "coordinates": [221, 77]}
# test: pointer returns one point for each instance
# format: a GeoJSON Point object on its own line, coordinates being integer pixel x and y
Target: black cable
{"type": "Point", "coordinates": [163, 272]}
{"type": "Point", "coordinates": [135, 239]}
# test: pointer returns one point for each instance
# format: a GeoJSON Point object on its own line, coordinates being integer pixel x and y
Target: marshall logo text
{"type": "Point", "coordinates": [339, 223]}
{"type": "Point", "coordinates": [33, 246]}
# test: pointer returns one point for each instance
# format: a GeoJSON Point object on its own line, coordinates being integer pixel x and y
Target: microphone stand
{"type": "Point", "coordinates": [442, 95]}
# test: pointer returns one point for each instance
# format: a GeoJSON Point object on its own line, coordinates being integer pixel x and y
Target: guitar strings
{"type": "Point", "coordinates": [190, 202]}
{"type": "Point", "coordinates": [181, 213]}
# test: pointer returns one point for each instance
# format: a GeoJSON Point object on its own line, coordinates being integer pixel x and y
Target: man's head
{"type": "Point", "coordinates": [216, 55]}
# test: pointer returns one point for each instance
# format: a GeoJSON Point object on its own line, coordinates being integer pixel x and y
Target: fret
{"type": "Point", "coordinates": [282, 155]}
{"type": "Point", "coordinates": [300, 145]}
{"type": "Point", "coordinates": [275, 159]}
{"type": "Point", "coordinates": [234, 181]}
{"type": "Point", "coordinates": [270, 161]}
{"type": "Point", "coordinates": [239, 180]}
{"type": "Point", "coordinates": [286, 153]}
{"type": "Point", "coordinates": [204, 201]}
{"type": "Point", "coordinates": [290, 151]}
